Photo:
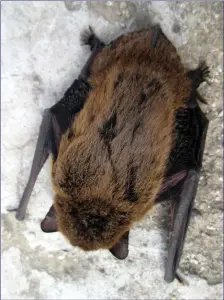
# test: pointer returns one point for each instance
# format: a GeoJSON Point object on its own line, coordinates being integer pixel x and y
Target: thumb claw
{"type": "Point", "coordinates": [11, 209]}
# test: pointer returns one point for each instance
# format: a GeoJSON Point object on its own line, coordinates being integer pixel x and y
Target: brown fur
{"type": "Point", "coordinates": [112, 161]}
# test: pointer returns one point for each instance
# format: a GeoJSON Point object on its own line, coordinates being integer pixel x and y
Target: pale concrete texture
{"type": "Point", "coordinates": [41, 56]}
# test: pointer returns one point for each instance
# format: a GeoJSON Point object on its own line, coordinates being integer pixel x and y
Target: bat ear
{"type": "Point", "coordinates": [49, 223]}
{"type": "Point", "coordinates": [120, 249]}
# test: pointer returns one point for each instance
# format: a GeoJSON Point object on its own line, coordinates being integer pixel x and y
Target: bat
{"type": "Point", "coordinates": [127, 135]}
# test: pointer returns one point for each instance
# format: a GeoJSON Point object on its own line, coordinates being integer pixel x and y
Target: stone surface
{"type": "Point", "coordinates": [41, 56]}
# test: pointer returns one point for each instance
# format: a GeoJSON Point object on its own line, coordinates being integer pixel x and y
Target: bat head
{"type": "Point", "coordinates": [90, 224]}
{"type": "Point", "coordinates": [98, 224]}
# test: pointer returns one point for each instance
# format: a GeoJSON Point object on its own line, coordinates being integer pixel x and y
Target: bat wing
{"type": "Point", "coordinates": [180, 186]}
{"type": "Point", "coordinates": [183, 203]}
{"type": "Point", "coordinates": [56, 120]}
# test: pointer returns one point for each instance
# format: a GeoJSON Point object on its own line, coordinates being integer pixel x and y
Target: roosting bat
{"type": "Point", "coordinates": [127, 134]}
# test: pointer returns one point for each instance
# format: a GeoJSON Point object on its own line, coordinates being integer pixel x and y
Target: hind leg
{"type": "Point", "coordinates": [88, 37]}
{"type": "Point", "coordinates": [198, 75]}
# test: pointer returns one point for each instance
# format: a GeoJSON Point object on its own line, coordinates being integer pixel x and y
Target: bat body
{"type": "Point", "coordinates": [127, 135]}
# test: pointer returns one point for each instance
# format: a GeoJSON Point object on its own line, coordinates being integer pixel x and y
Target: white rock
{"type": "Point", "coordinates": [127, 14]}
{"type": "Point", "coordinates": [123, 5]}
{"type": "Point", "coordinates": [109, 3]}
{"type": "Point", "coordinates": [220, 115]}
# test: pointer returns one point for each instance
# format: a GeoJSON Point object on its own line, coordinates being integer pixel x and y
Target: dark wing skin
{"type": "Point", "coordinates": [55, 122]}
{"type": "Point", "coordinates": [185, 162]}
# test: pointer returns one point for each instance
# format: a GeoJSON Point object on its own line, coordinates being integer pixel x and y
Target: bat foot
{"type": "Point", "coordinates": [96, 45]}
{"type": "Point", "coordinates": [9, 209]}
{"type": "Point", "coordinates": [203, 71]}
{"type": "Point", "coordinates": [89, 38]}
{"type": "Point", "coordinates": [200, 74]}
